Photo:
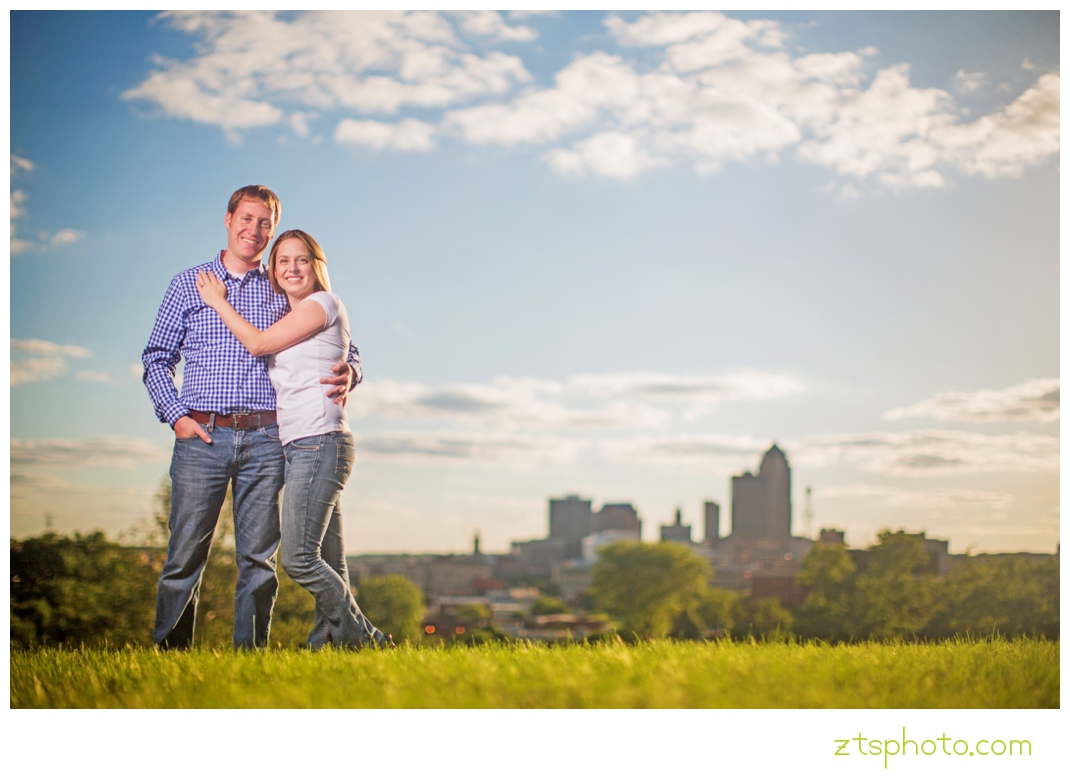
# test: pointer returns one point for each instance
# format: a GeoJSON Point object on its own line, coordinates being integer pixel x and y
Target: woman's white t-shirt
{"type": "Point", "coordinates": [302, 403]}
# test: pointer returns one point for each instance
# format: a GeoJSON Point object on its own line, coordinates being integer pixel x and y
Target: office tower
{"type": "Point", "coordinates": [761, 505]}
{"type": "Point", "coordinates": [617, 516]}
{"type": "Point", "coordinates": [678, 531]}
{"type": "Point", "coordinates": [570, 519]}
{"type": "Point", "coordinates": [713, 523]}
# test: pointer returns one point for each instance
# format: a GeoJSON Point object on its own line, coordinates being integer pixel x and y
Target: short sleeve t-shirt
{"type": "Point", "coordinates": [302, 403]}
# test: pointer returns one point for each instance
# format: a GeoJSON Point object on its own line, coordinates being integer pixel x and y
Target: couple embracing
{"type": "Point", "coordinates": [268, 367]}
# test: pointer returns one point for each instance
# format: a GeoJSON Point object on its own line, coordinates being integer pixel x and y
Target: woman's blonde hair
{"type": "Point", "coordinates": [317, 259]}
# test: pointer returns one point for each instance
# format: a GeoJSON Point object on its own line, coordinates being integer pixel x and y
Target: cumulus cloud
{"type": "Point", "coordinates": [728, 90]}
{"type": "Point", "coordinates": [709, 90]}
{"type": "Point", "coordinates": [969, 82]}
{"type": "Point", "coordinates": [406, 135]}
{"type": "Point", "coordinates": [36, 360]}
{"type": "Point", "coordinates": [491, 25]}
{"type": "Point", "coordinates": [114, 451]}
{"type": "Point", "coordinates": [727, 451]}
{"type": "Point", "coordinates": [931, 452]}
{"type": "Point", "coordinates": [931, 499]}
{"type": "Point", "coordinates": [252, 65]}
{"type": "Point", "coordinates": [463, 448]}
{"type": "Point", "coordinates": [62, 237]}
{"type": "Point", "coordinates": [45, 240]}
{"type": "Point", "coordinates": [74, 506]}
{"type": "Point", "coordinates": [1003, 143]}
{"type": "Point", "coordinates": [740, 385]}
{"type": "Point", "coordinates": [611, 154]}
{"type": "Point", "coordinates": [97, 376]}
{"type": "Point", "coordinates": [909, 453]}
{"type": "Point", "coordinates": [1033, 400]}
{"type": "Point", "coordinates": [507, 402]}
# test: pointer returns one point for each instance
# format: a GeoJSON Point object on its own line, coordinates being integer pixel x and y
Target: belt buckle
{"type": "Point", "coordinates": [236, 417]}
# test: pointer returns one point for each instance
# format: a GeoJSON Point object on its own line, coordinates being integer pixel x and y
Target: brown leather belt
{"type": "Point", "coordinates": [238, 421]}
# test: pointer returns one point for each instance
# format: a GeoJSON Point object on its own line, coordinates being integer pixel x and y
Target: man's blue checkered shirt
{"type": "Point", "coordinates": [220, 375]}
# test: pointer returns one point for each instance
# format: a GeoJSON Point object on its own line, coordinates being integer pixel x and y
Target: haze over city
{"type": "Point", "coordinates": [616, 255]}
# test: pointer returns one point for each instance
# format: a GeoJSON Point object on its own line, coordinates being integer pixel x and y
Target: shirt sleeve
{"type": "Point", "coordinates": [329, 303]}
{"type": "Point", "coordinates": [354, 361]}
{"type": "Point", "coordinates": [162, 354]}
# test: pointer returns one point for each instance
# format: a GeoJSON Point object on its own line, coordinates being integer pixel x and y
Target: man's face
{"type": "Point", "coordinates": [249, 230]}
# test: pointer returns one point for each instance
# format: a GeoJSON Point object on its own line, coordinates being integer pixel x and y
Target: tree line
{"type": "Point", "coordinates": [658, 590]}
{"type": "Point", "coordinates": [87, 590]}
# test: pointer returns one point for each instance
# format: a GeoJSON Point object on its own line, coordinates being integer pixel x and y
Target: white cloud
{"type": "Point", "coordinates": [113, 451]}
{"type": "Point", "coordinates": [490, 24]}
{"type": "Point", "coordinates": [741, 385]}
{"type": "Point", "coordinates": [75, 506]}
{"type": "Point", "coordinates": [969, 82]}
{"type": "Point", "coordinates": [611, 154]}
{"type": "Point", "coordinates": [909, 453]}
{"type": "Point", "coordinates": [585, 402]}
{"type": "Point", "coordinates": [1036, 399]}
{"type": "Point", "coordinates": [467, 448]}
{"type": "Point", "coordinates": [1003, 143]}
{"type": "Point", "coordinates": [20, 164]}
{"type": "Point", "coordinates": [930, 452]}
{"type": "Point", "coordinates": [931, 499]}
{"type": "Point", "coordinates": [727, 90]}
{"type": "Point", "coordinates": [584, 87]}
{"type": "Point", "coordinates": [64, 237]}
{"type": "Point", "coordinates": [529, 14]}
{"type": "Point", "coordinates": [406, 135]}
{"type": "Point", "coordinates": [727, 451]}
{"type": "Point", "coordinates": [36, 360]}
{"type": "Point", "coordinates": [506, 402]}
{"type": "Point", "coordinates": [252, 65]}
{"type": "Point", "coordinates": [711, 89]}
{"type": "Point", "coordinates": [97, 376]}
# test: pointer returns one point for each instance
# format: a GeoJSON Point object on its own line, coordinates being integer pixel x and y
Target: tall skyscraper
{"type": "Point", "coordinates": [713, 523]}
{"type": "Point", "coordinates": [678, 531]}
{"type": "Point", "coordinates": [761, 504]}
{"type": "Point", "coordinates": [570, 519]}
{"type": "Point", "coordinates": [617, 516]}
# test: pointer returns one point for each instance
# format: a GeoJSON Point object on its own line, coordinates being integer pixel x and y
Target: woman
{"type": "Point", "coordinates": [313, 429]}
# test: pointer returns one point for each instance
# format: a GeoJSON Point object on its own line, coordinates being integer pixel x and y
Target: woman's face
{"type": "Point", "coordinates": [293, 269]}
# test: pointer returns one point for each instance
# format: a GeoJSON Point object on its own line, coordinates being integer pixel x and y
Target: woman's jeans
{"type": "Point", "coordinates": [317, 468]}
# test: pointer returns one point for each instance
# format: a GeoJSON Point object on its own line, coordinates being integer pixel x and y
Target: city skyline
{"type": "Point", "coordinates": [583, 253]}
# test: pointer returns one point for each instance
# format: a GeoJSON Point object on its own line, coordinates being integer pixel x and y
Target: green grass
{"type": "Point", "coordinates": [955, 674]}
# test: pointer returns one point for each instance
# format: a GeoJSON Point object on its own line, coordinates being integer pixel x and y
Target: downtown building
{"type": "Point", "coordinates": [760, 556]}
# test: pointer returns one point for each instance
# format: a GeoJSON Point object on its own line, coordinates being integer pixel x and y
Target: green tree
{"type": "Point", "coordinates": [828, 574]}
{"type": "Point", "coordinates": [763, 618]}
{"type": "Point", "coordinates": [711, 613]}
{"type": "Point", "coordinates": [548, 604]}
{"type": "Point", "coordinates": [84, 590]}
{"type": "Point", "coordinates": [647, 586]}
{"type": "Point", "coordinates": [394, 605]}
{"type": "Point", "coordinates": [1009, 596]}
{"type": "Point", "coordinates": [893, 595]}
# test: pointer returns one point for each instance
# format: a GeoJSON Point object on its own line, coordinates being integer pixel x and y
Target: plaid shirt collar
{"type": "Point", "coordinates": [223, 272]}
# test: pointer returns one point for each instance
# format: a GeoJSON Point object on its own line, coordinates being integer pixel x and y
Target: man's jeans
{"type": "Point", "coordinates": [200, 473]}
{"type": "Point", "coordinates": [317, 468]}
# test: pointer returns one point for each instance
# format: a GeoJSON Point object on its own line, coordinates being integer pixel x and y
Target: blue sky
{"type": "Point", "coordinates": [612, 254]}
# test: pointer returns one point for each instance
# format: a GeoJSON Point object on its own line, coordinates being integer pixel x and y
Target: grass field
{"type": "Point", "coordinates": [954, 674]}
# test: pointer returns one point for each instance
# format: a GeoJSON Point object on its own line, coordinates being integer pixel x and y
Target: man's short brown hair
{"type": "Point", "coordinates": [260, 194]}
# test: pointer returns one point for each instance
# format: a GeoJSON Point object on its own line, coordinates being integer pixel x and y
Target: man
{"type": "Point", "coordinates": [225, 430]}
